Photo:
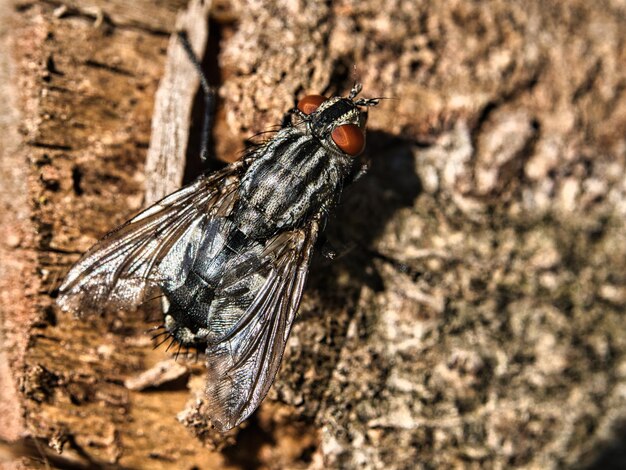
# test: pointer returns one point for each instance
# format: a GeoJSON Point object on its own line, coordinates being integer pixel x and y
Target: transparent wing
{"type": "Point", "coordinates": [157, 246]}
{"type": "Point", "coordinates": [244, 359]}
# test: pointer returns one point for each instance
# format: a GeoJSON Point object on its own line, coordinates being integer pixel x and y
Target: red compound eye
{"type": "Point", "coordinates": [310, 103]}
{"type": "Point", "coordinates": [349, 138]}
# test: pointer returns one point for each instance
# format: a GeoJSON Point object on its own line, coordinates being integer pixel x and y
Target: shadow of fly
{"type": "Point", "coordinates": [230, 252]}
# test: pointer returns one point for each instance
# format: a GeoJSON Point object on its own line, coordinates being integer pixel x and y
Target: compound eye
{"type": "Point", "coordinates": [310, 103]}
{"type": "Point", "coordinates": [349, 138]}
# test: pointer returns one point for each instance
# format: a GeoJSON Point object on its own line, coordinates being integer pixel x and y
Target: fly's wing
{"type": "Point", "coordinates": [156, 246]}
{"type": "Point", "coordinates": [243, 361]}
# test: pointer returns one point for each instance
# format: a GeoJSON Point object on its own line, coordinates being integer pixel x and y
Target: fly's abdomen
{"type": "Point", "coordinates": [221, 283]}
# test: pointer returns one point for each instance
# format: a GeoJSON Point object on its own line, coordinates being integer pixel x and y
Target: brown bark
{"type": "Point", "coordinates": [497, 177]}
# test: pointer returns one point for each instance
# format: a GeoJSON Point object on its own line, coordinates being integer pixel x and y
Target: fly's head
{"type": "Point", "coordinates": [338, 122]}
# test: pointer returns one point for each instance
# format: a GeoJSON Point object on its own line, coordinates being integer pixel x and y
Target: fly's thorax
{"type": "Point", "coordinates": [294, 176]}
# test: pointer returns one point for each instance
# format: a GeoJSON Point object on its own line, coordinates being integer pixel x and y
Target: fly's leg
{"type": "Point", "coordinates": [333, 249]}
{"type": "Point", "coordinates": [399, 266]}
{"type": "Point", "coordinates": [358, 172]}
{"type": "Point", "coordinates": [209, 96]}
{"type": "Point", "coordinates": [287, 117]}
{"type": "Point", "coordinates": [286, 120]}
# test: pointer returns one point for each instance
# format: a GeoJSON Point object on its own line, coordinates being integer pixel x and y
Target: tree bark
{"type": "Point", "coordinates": [476, 321]}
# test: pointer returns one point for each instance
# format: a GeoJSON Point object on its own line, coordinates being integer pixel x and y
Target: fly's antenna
{"type": "Point", "coordinates": [209, 95]}
{"type": "Point", "coordinates": [356, 89]}
{"type": "Point", "coordinates": [368, 101]}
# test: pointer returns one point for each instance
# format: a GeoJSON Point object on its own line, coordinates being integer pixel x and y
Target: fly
{"type": "Point", "coordinates": [230, 252]}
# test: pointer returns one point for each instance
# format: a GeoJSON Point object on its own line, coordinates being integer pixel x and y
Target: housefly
{"type": "Point", "coordinates": [230, 252]}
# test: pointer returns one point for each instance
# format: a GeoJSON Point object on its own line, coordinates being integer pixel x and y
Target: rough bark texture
{"type": "Point", "coordinates": [498, 178]}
